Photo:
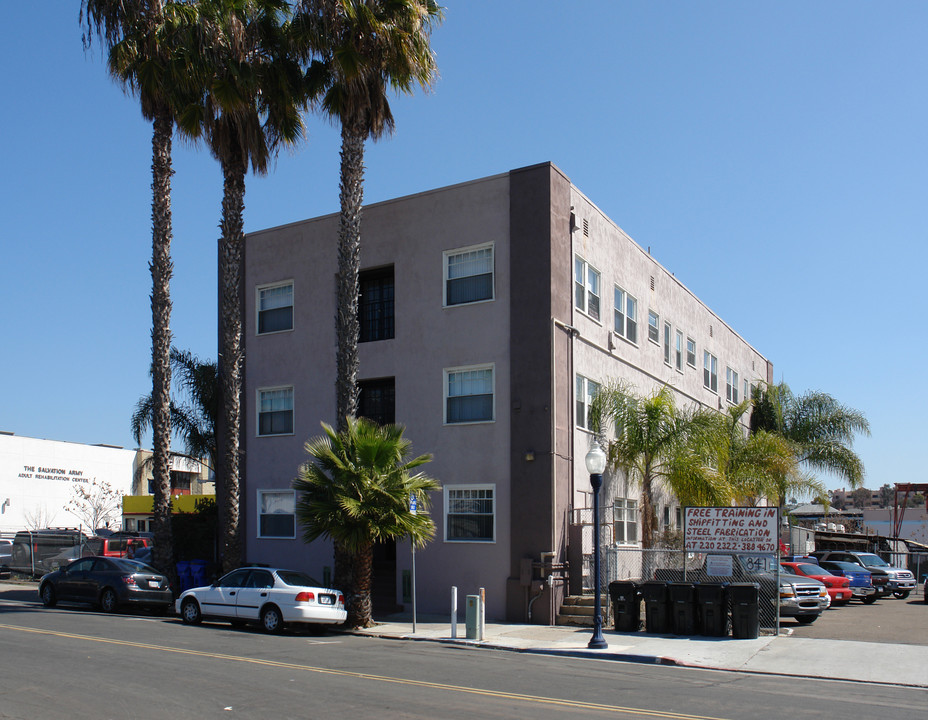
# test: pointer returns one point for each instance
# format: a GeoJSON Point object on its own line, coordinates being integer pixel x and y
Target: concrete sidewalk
{"type": "Point", "coordinates": [778, 655]}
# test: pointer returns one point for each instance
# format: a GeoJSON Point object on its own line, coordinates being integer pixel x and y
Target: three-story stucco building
{"type": "Point", "coordinates": [490, 313]}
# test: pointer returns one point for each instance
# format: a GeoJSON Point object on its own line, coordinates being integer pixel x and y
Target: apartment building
{"type": "Point", "coordinates": [491, 311]}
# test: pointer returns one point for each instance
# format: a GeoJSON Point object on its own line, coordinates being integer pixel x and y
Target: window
{"type": "Point", "coordinates": [586, 281]}
{"type": "Point", "coordinates": [468, 275]}
{"type": "Point", "coordinates": [375, 305]}
{"type": "Point", "coordinates": [275, 411]}
{"type": "Point", "coordinates": [626, 315]}
{"type": "Point", "coordinates": [710, 371]}
{"type": "Point", "coordinates": [691, 352]}
{"type": "Point", "coordinates": [654, 324]}
{"type": "Point", "coordinates": [667, 343]}
{"type": "Point", "coordinates": [731, 385]}
{"type": "Point", "coordinates": [625, 521]}
{"type": "Point", "coordinates": [469, 395]}
{"type": "Point", "coordinates": [470, 513]}
{"type": "Point", "coordinates": [276, 513]}
{"type": "Point", "coordinates": [275, 308]}
{"type": "Point", "coordinates": [678, 351]}
{"type": "Point", "coordinates": [377, 400]}
{"type": "Point", "coordinates": [665, 525]}
{"type": "Point", "coordinates": [747, 393]}
{"type": "Point", "coordinates": [586, 391]}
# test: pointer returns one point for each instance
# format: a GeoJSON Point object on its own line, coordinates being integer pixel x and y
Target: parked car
{"type": "Point", "coordinates": [6, 557]}
{"type": "Point", "coordinates": [115, 545]}
{"type": "Point", "coordinates": [837, 586]}
{"type": "Point", "coordinates": [860, 579]}
{"type": "Point", "coordinates": [272, 597]}
{"type": "Point", "coordinates": [802, 598]}
{"type": "Point", "coordinates": [108, 583]}
{"type": "Point", "coordinates": [888, 580]}
{"type": "Point", "coordinates": [33, 549]}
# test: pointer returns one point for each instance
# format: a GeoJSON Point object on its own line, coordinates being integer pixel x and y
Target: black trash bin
{"type": "Point", "coordinates": [712, 604]}
{"type": "Point", "coordinates": [656, 607]}
{"type": "Point", "coordinates": [745, 622]}
{"type": "Point", "coordinates": [682, 596]}
{"type": "Point", "coordinates": [626, 605]}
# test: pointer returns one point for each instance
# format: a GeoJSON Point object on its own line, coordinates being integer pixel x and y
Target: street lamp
{"type": "Point", "coordinates": [595, 464]}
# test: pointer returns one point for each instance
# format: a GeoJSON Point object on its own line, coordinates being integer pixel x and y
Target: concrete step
{"type": "Point", "coordinates": [577, 610]}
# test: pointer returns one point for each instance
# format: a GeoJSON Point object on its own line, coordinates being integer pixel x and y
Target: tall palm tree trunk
{"type": "Point", "coordinates": [359, 603]}
{"type": "Point", "coordinates": [231, 357]}
{"type": "Point", "coordinates": [648, 513]}
{"type": "Point", "coordinates": [349, 261]}
{"type": "Point", "coordinates": [161, 271]}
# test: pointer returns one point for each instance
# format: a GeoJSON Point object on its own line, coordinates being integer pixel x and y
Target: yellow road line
{"type": "Point", "coordinates": [644, 712]}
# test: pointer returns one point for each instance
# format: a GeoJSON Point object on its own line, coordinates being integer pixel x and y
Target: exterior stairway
{"type": "Point", "coordinates": [579, 610]}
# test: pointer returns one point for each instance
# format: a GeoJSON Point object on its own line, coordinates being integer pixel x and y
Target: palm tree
{"type": "Point", "coordinates": [148, 53]}
{"type": "Point", "coordinates": [361, 49]}
{"type": "Point", "coordinates": [249, 107]}
{"type": "Point", "coordinates": [821, 429]}
{"type": "Point", "coordinates": [193, 421]}
{"type": "Point", "coordinates": [356, 491]}
{"type": "Point", "coordinates": [657, 442]}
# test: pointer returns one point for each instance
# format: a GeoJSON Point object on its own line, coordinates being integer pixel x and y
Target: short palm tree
{"type": "Point", "coordinates": [654, 443]}
{"type": "Point", "coordinates": [249, 106]}
{"type": "Point", "coordinates": [821, 429]}
{"type": "Point", "coordinates": [361, 49]}
{"type": "Point", "coordinates": [356, 492]}
{"type": "Point", "coordinates": [149, 53]}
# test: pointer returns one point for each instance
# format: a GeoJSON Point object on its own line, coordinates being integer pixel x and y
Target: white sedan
{"type": "Point", "coordinates": [270, 596]}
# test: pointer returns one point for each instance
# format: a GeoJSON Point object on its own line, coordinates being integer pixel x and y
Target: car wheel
{"type": "Point", "coordinates": [271, 619]}
{"type": "Point", "coordinates": [806, 619]}
{"type": "Point", "coordinates": [901, 594]}
{"type": "Point", "coordinates": [109, 601]}
{"type": "Point", "coordinates": [190, 612]}
{"type": "Point", "coordinates": [870, 600]}
{"type": "Point", "coordinates": [48, 595]}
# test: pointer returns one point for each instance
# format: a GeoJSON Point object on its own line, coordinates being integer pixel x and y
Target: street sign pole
{"type": "Point", "coordinates": [412, 509]}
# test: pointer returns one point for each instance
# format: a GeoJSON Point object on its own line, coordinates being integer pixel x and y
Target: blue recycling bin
{"type": "Point", "coordinates": [198, 573]}
{"type": "Point", "coordinates": [184, 576]}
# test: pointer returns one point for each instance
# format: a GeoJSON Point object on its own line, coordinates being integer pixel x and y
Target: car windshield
{"type": "Point", "coordinates": [846, 566]}
{"type": "Point", "coordinates": [133, 566]}
{"type": "Point", "coordinates": [297, 579]}
{"type": "Point", "coordinates": [871, 560]}
{"type": "Point", "coordinates": [807, 569]}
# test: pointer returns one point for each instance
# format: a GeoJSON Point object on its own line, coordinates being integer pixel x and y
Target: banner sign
{"type": "Point", "coordinates": [731, 529]}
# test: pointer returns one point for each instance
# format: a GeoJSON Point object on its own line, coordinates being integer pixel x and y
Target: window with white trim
{"type": "Point", "coordinates": [468, 275]}
{"type": "Point", "coordinates": [586, 391]}
{"type": "Point", "coordinates": [276, 514]}
{"type": "Point", "coordinates": [667, 343]}
{"type": "Point", "coordinates": [586, 282]}
{"type": "Point", "coordinates": [470, 513]}
{"type": "Point", "coordinates": [469, 394]}
{"type": "Point", "coordinates": [678, 350]}
{"type": "Point", "coordinates": [654, 327]}
{"type": "Point", "coordinates": [691, 352]}
{"type": "Point", "coordinates": [275, 411]}
{"type": "Point", "coordinates": [731, 386]}
{"type": "Point", "coordinates": [275, 308]}
{"type": "Point", "coordinates": [625, 521]}
{"type": "Point", "coordinates": [710, 371]}
{"type": "Point", "coordinates": [626, 315]}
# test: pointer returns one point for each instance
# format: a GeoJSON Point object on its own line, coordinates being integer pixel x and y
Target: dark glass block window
{"type": "Point", "coordinates": [377, 400]}
{"type": "Point", "coordinates": [375, 305]}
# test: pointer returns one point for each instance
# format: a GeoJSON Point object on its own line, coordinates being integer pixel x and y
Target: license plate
{"type": "Point", "coordinates": [326, 600]}
{"type": "Point", "coordinates": [154, 584]}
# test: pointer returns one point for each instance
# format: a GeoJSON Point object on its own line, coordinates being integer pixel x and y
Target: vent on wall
{"type": "Point", "coordinates": [586, 227]}
{"type": "Point", "coordinates": [652, 282]}
{"type": "Point", "coordinates": [710, 331]}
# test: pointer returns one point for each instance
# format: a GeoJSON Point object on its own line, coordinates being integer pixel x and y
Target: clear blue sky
{"type": "Point", "coordinates": [773, 155]}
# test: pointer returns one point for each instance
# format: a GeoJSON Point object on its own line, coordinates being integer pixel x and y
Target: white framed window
{"type": "Point", "coordinates": [626, 315]}
{"type": "Point", "coordinates": [277, 514]}
{"type": "Point", "coordinates": [710, 371]}
{"type": "Point", "coordinates": [691, 352]}
{"type": "Point", "coordinates": [469, 394]}
{"type": "Point", "coordinates": [625, 521]}
{"type": "Point", "coordinates": [678, 351]}
{"type": "Point", "coordinates": [468, 275]}
{"type": "Point", "coordinates": [275, 307]}
{"type": "Point", "coordinates": [586, 282]}
{"type": "Point", "coordinates": [731, 386]}
{"type": "Point", "coordinates": [654, 327]}
{"type": "Point", "coordinates": [586, 391]}
{"type": "Point", "coordinates": [667, 343]}
{"type": "Point", "coordinates": [470, 513]}
{"type": "Point", "coordinates": [275, 411]}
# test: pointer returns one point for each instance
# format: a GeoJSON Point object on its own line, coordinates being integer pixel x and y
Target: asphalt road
{"type": "Point", "coordinates": [77, 663]}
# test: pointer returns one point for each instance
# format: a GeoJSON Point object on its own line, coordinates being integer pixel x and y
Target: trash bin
{"type": "Point", "coordinates": [712, 604]}
{"type": "Point", "coordinates": [197, 573]}
{"type": "Point", "coordinates": [626, 605]}
{"type": "Point", "coordinates": [656, 607]}
{"type": "Point", "coordinates": [184, 577]}
{"type": "Point", "coordinates": [682, 597]}
{"type": "Point", "coordinates": [745, 623]}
